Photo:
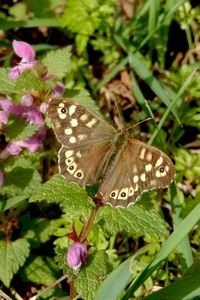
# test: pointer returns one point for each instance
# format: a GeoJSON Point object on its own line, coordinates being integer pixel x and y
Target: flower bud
{"type": "Point", "coordinates": [77, 255]}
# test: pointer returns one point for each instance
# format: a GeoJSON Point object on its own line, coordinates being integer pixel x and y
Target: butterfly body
{"type": "Point", "coordinates": [93, 151]}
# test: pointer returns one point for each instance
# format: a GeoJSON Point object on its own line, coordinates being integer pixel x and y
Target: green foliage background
{"type": "Point", "coordinates": [89, 45]}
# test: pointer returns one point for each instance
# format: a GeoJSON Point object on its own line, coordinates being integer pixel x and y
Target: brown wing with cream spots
{"type": "Point", "coordinates": [87, 141]}
{"type": "Point", "coordinates": [135, 169]}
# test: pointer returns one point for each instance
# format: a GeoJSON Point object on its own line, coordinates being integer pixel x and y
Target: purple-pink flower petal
{"type": "Point", "coordinates": [58, 89]}
{"type": "Point", "coordinates": [77, 254]}
{"type": "Point", "coordinates": [3, 117]}
{"type": "Point", "coordinates": [27, 100]}
{"type": "Point", "coordinates": [24, 50]}
{"type": "Point", "coordinates": [13, 148]}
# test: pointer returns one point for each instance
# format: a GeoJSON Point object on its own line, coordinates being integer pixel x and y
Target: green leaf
{"type": "Point", "coordinates": [18, 129]}
{"type": "Point", "coordinates": [12, 202]}
{"type": "Point", "coordinates": [87, 20]}
{"type": "Point", "coordinates": [184, 288]}
{"type": "Point", "coordinates": [21, 180]}
{"type": "Point", "coordinates": [72, 198]}
{"type": "Point", "coordinates": [7, 85]}
{"type": "Point", "coordinates": [140, 218]}
{"type": "Point", "coordinates": [13, 256]}
{"type": "Point", "coordinates": [28, 81]}
{"type": "Point", "coordinates": [40, 270]}
{"type": "Point", "coordinates": [92, 274]}
{"type": "Point", "coordinates": [58, 62]}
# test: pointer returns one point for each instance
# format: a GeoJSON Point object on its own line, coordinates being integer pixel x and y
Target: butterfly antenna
{"type": "Point", "coordinates": [120, 124]}
{"type": "Point", "coordinates": [145, 120]}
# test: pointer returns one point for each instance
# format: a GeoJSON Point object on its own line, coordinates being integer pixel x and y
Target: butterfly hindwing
{"type": "Point", "coordinates": [138, 168]}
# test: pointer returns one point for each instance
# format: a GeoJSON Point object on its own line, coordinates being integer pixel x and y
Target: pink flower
{"type": "Point", "coordinates": [58, 89]}
{"type": "Point", "coordinates": [3, 117]}
{"type": "Point", "coordinates": [27, 54]}
{"type": "Point", "coordinates": [77, 255]}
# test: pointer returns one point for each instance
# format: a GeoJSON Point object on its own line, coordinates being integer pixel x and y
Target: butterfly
{"type": "Point", "coordinates": [93, 151]}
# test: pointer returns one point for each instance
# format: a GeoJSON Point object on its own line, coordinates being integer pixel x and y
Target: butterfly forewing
{"type": "Point", "coordinates": [138, 168]}
{"type": "Point", "coordinates": [87, 141]}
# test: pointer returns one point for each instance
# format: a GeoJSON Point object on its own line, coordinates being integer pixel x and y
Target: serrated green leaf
{"type": "Point", "coordinates": [28, 81]}
{"type": "Point", "coordinates": [39, 230]}
{"type": "Point", "coordinates": [139, 218]}
{"type": "Point", "coordinates": [40, 270]}
{"type": "Point", "coordinates": [21, 180]}
{"type": "Point", "coordinates": [7, 85]}
{"type": "Point", "coordinates": [72, 198]}
{"type": "Point", "coordinates": [92, 274]}
{"type": "Point", "coordinates": [58, 62]}
{"type": "Point", "coordinates": [87, 20]}
{"type": "Point", "coordinates": [18, 129]}
{"type": "Point", "coordinates": [13, 256]}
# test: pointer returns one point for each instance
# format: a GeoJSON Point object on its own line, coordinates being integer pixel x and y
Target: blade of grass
{"type": "Point", "coordinates": [171, 243]}
{"type": "Point", "coordinates": [170, 107]}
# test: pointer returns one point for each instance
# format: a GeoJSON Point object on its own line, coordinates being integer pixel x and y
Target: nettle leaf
{"type": "Point", "coordinates": [87, 22]}
{"type": "Point", "coordinates": [88, 16]}
{"type": "Point", "coordinates": [21, 180]}
{"type": "Point", "coordinates": [7, 85]}
{"type": "Point", "coordinates": [139, 218]}
{"type": "Point", "coordinates": [92, 274]}
{"type": "Point", "coordinates": [13, 256]}
{"type": "Point", "coordinates": [39, 230]}
{"type": "Point", "coordinates": [18, 129]}
{"type": "Point", "coordinates": [28, 81]}
{"type": "Point", "coordinates": [40, 270]}
{"type": "Point", "coordinates": [72, 199]}
{"type": "Point", "coordinates": [58, 62]}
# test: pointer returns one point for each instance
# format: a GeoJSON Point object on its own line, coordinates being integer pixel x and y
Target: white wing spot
{"type": "Point", "coordinates": [159, 161]}
{"type": "Point", "coordinates": [68, 153]}
{"type": "Point", "coordinates": [82, 137]}
{"type": "Point", "coordinates": [114, 194]}
{"type": "Point", "coordinates": [148, 167]}
{"type": "Point", "coordinates": [135, 179]}
{"type": "Point", "coordinates": [79, 174]}
{"type": "Point", "coordinates": [143, 177]}
{"type": "Point", "coordinates": [68, 131]}
{"type": "Point", "coordinates": [123, 194]}
{"type": "Point", "coordinates": [160, 174]}
{"type": "Point", "coordinates": [72, 140]}
{"type": "Point", "coordinates": [142, 153]}
{"type": "Point", "coordinates": [72, 109]}
{"type": "Point", "coordinates": [69, 161]}
{"type": "Point", "coordinates": [84, 117]}
{"type": "Point", "coordinates": [91, 123]}
{"type": "Point", "coordinates": [131, 191]}
{"type": "Point", "coordinates": [78, 154]}
{"type": "Point", "coordinates": [149, 156]}
{"type": "Point", "coordinates": [72, 168]}
{"type": "Point", "coordinates": [62, 111]}
{"type": "Point", "coordinates": [74, 122]}
{"type": "Point", "coordinates": [136, 188]}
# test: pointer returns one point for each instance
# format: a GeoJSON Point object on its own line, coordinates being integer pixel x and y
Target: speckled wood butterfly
{"type": "Point", "coordinates": [93, 151]}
